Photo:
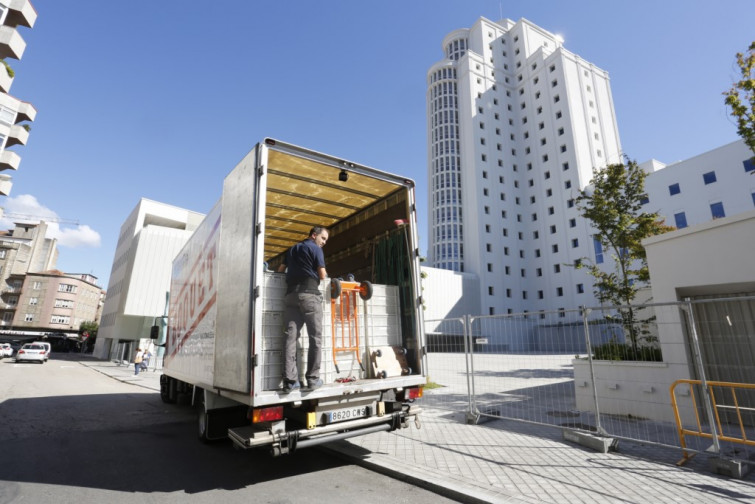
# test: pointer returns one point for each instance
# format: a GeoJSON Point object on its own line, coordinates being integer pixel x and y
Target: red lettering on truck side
{"type": "Point", "coordinates": [192, 303]}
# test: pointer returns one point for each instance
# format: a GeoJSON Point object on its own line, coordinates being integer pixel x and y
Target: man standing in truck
{"type": "Point", "coordinates": [305, 267]}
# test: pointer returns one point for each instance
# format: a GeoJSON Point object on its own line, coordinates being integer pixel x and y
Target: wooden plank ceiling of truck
{"type": "Point", "coordinates": [302, 193]}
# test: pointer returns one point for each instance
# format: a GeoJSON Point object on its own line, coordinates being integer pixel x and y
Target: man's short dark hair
{"type": "Point", "coordinates": [317, 230]}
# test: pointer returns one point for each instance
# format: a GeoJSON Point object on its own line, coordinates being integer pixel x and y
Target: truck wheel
{"type": "Point", "coordinates": [167, 389]}
{"type": "Point", "coordinates": [203, 421]}
{"type": "Point", "coordinates": [335, 288]}
{"type": "Point", "coordinates": [365, 290]}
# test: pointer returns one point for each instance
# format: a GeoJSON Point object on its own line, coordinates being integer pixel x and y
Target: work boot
{"type": "Point", "coordinates": [288, 386]}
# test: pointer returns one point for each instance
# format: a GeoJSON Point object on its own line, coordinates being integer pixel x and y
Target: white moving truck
{"type": "Point", "coordinates": [225, 335]}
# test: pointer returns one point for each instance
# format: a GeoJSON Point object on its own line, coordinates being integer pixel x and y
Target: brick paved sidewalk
{"type": "Point", "coordinates": [490, 464]}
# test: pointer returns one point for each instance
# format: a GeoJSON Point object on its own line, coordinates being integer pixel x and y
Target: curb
{"type": "Point", "coordinates": [414, 475]}
{"type": "Point", "coordinates": [121, 379]}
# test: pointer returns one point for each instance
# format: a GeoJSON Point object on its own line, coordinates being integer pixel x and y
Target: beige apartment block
{"type": "Point", "coordinates": [35, 298]}
{"type": "Point", "coordinates": [53, 301]}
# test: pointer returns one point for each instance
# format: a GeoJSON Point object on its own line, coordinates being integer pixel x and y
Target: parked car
{"type": "Point", "coordinates": [32, 352]}
{"type": "Point", "coordinates": [48, 348]}
{"type": "Point", "coordinates": [6, 350]}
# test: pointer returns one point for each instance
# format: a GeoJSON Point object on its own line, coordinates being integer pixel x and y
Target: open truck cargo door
{"type": "Point", "coordinates": [225, 339]}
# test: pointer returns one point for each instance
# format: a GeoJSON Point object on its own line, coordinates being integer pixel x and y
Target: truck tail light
{"type": "Point", "coordinates": [267, 414]}
{"type": "Point", "coordinates": [412, 393]}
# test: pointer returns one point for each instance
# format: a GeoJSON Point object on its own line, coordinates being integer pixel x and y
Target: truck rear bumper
{"type": "Point", "coordinates": [286, 442]}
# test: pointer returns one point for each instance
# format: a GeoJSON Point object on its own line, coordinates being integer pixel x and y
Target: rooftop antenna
{"type": "Point", "coordinates": [500, 10]}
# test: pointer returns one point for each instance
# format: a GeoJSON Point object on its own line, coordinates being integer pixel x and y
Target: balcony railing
{"type": "Point", "coordinates": [17, 136]}
{"type": "Point", "coordinates": [5, 80]}
{"type": "Point", "coordinates": [12, 45]}
{"type": "Point", "coordinates": [5, 185]}
{"type": "Point", "coordinates": [20, 13]}
{"type": "Point", "coordinates": [26, 111]}
{"type": "Point", "coordinates": [9, 160]}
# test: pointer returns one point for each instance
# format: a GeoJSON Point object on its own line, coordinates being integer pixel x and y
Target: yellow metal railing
{"type": "Point", "coordinates": [714, 434]}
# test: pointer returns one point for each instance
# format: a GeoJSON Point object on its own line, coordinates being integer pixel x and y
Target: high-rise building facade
{"type": "Point", "coordinates": [516, 125]}
{"type": "Point", "coordinates": [13, 112]}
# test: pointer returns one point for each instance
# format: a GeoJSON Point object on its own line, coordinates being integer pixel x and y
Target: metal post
{"type": "Point", "coordinates": [585, 313]}
{"type": "Point", "coordinates": [687, 307]}
{"type": "Point", "coordinates": [473, 415]}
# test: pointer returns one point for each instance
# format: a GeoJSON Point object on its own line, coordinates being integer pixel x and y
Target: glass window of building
{"type": "Point", "coordinates": [681, 220]}
{"type": "Point", "coordinates": [717, 210]}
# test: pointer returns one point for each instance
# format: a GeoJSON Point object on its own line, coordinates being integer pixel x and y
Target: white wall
{"type": "Point", "coordinates": [711, 258]}
{"type": "Point", "coordinates": [449, 294]}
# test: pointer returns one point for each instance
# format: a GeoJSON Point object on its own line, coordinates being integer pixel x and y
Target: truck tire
{"type": "Point", "coordinates": [167, 389]}
{"type": "Point", "coordinates": [203, 421]}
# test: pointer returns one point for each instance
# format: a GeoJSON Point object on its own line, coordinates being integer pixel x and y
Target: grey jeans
{"type": "Point", "coordinates": [303, 308]}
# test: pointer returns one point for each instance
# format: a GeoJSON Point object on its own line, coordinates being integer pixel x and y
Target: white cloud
{"type": "Point", "coordinates": [81, 236]}
{"type": "Point", "coordinates": [25, 207]}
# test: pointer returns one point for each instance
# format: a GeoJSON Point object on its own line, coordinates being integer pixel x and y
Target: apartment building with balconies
{"type": "Point", "coordinates": [15, 114]}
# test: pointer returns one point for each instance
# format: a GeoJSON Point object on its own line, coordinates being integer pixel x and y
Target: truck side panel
{"type": "Point", "coordinates": [193, 304]}
{"type": "Point", "coordinates": [234, 324]}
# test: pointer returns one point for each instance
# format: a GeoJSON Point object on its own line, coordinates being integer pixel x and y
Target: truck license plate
{"type": "Point", "coordinates": [344, 414]}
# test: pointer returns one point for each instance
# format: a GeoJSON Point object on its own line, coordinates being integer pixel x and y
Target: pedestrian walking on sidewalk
{"type": "Point", "coordinates": [138, 360]}
{"type": "Point", "coordinates": [145, 360]}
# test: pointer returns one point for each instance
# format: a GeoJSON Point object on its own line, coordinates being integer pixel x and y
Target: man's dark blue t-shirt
{"type": "Point", "coordinates": [303, 261]}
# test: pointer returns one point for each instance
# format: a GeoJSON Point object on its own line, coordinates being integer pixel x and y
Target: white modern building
{"type": "Point", "coordinates": [709, 186]}
{"type": "Point", "coordinates": [516, 125]}
{"type": "Point", "coordinates": [137, 292]}
{"type": "Point", "coordinates": [13, 112]}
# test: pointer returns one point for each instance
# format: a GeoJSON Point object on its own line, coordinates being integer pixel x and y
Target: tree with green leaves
{"type": "Point", "coordinates": [90, 329]}
{"type": "Point", "coordinates": [741, 98]}
{"type": "Point", "coordinates": [613, 204]}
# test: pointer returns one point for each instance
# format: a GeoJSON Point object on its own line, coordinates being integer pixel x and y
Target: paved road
{"type": "Point", "coordinates": [70, 434]}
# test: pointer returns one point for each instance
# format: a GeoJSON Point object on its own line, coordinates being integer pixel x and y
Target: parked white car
{"type": "Point", "coordinates": [6, 350]}
{"type": "Point", "coordinates": [32, 352]}
{"type": "Point", "coordinates": [48, 348]}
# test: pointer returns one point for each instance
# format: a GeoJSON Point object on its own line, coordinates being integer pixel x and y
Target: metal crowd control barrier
{"type": "Point", "coordinates": [447, 365]}
{"type": "Point", "coordinates": [605, 372]}
{"type": "Point", "coordinates": [713, 407]}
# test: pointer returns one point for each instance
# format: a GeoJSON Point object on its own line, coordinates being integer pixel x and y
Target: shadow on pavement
{"type": "Point", "coordinates": [129, 442]}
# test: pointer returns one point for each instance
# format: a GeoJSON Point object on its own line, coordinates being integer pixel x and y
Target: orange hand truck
{"type": "Point", "coordinates": [344, 316]}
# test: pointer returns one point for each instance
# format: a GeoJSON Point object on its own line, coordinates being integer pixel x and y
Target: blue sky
{"type": "Point", "coordinates": [161, 99]}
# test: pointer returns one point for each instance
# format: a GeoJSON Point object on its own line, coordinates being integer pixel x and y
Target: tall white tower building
{"type": "Point", "coordinates": [516, 124]}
